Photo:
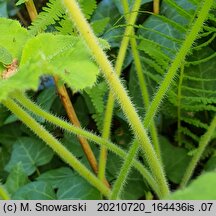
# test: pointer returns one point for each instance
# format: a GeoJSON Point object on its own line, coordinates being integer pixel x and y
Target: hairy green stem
{"type": "Point", "coordinates": [4, 193]}
{"type": "Point", "coordinates": [119, 183]}
{"type": "Point", "coordinates": [119, 91]}
{"type": "Point", "coordinates": [66, 155]}
{"type": "Point", "coordinates": [190, 38]}
{"type": "Point", "coordinates": [111, 99]}
{"type": "Point", "coordinates": [204, 140]}
{"type": "Point", "coordinates": [24, 101]}
{"type": "Point", "coordinates": [141, 79]}
{"type": "Point", "coordinates": [105, 134]}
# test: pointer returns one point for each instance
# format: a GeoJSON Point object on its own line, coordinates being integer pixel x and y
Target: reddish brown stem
{"type": "Point", "coordinates": [73, 118]}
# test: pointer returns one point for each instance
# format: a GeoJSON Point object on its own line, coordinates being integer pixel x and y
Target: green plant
{"type": "Point", "coordinates": [53, 46]}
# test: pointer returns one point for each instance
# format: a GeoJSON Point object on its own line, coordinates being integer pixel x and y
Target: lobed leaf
{"type": "Point", "coordinates": [56, 177]}
{"type": "Point", "coordinates": [31, 152]}
{"type": "Point", "coordinates": [78, 69]}
{"type": "Point", "coordinates": [77, 188]}
{"type": "Point", "coordinates": [39, 57]}
{"type": "Point", "coordinates": [16, 179]}
{"type": "Point", "coordinates": [35, 191]}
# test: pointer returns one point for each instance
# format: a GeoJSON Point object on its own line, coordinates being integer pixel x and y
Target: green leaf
{"type": "Point", "coordinates": [9, 134]}
{"type": "Point", "coordinates": [5, 56]}
{"type": "Point", "coordinates": [19, 2]}
{"type": "Point", "coordinates": [65, 26]}
{"type": "Point", "coordinates": [50, 14]}
{"type": "Point", "coordinates": [31, 152]}
{"type": "Point", "coordinates": [4, 158]}
{"type": "Point", "coordinates": [198, 88]}
{"type": "Point", "coordinates": [135, 187]}
{"type": "Point", "coordinates": [198, 84]}
{"type": "Point", "coordinates": [46, 98]}
{"type": "Point", "coordinates": [35, 191]}
{"type": "Point", "coordinates": [11, 118]}
{"type": "Point", "coordinates": [56, 177]}
{"type": "Point", "coordinates": [97, 95]}
{"type": "Point", "coordinates": [179, 10]}
{"type": "Point", "coordinates": [13, 37]}
{"type": "Point", "coordinates": [16, 179]}
{"type": "Point", "coordinates": [39, 57]}
{"type": "Point", "coordinates": [203, 188]}
{"type": "Point", "coordinates": [100, 25]}
{"type": "Point", "coordinates": [72, 143]}
{"type": "Point", "coordinates": [113, 166]}
{"type": "Point", "coordinates": [54, 13]}
{"type": "Point", "coordinates": [175, 160]}
{"type": "Point", "coordinates": [82, 111]}
{"type": "Point", "coordinates": [88, 7]}
{"type": "Point", "coordinates": [78, 70]}
{"type": "Point", "coordinates": [4, 114]}
{"type": "Point", "coordinates": [211, 164]}
{"type": "Point", "coordinates": [77, 188]}
{"type": "Point", "coordinates": [108, 9]}
{"type": "Point", "coordinates": [135, 91]}
{"type": "Point", "coordinates": [24, 79]}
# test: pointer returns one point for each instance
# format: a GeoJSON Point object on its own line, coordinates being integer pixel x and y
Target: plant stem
{"type": "Point", "coordinates": [142, 82]}
{"type": "Point", "coordinates": [63, 94]}
{"type": "Point", "coordinates": [156, 6]}
{"type": "Point", "coordinates": [169, 77]}
{"type": "Point", "coordinates": [118, 185]}
{"type": "Point", "coordinates": [179, 104]}
{"type": "Point", "coordinates": [111, 99]}
{"type": "Point", "coordinates": [22, 19]}
{"type": "Point", "coordinates": [24, 101]}
{"type": "Point", "coordinates": [119, 91]}
{"type": "Point", "coordinates": [190, 38]}
{"type": "Point", "coordinates": [31, 9]}
{"type": "Point", "coordinates": [204, 140]}
{"type": "Point", "coordinates": [74, 120]}
{"type": "Point", "coordinates": [65, 155]}
{"type": "Point", "coordinates": [4, 193]}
